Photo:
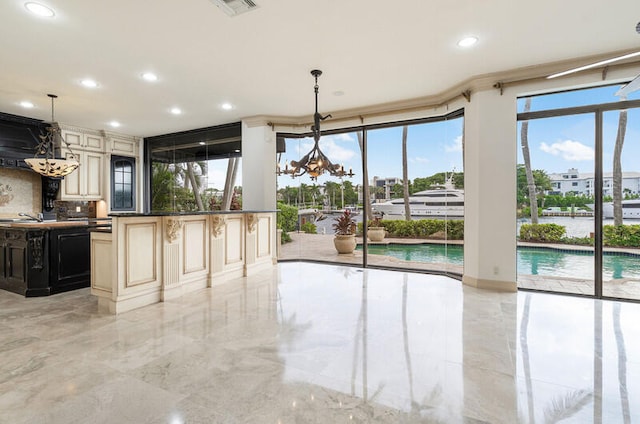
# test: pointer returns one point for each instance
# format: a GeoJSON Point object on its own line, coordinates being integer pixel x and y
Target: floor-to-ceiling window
{"type": "Point", "coordinates": [416, 181]}
{"type": "Point", "coordinates": [198, 170]}
{"type": "Point", "coordinates": [416, 163]}
{"type": "Point", "coordinates": [311, 205]}
{"type": "Point", "coordinates": [570, 176]}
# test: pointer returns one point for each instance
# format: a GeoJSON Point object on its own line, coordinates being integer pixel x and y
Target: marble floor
{"type": "Point", "coordinates": [313, 343]}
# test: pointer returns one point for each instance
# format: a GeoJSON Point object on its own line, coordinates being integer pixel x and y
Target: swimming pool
{"type": "Point", "coordinates": [530, 260]}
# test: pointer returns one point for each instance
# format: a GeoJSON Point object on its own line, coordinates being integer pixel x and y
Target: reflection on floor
{"type": "Point", "coordinates": [314, 343]}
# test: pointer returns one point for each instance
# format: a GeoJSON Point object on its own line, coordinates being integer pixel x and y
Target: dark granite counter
{"type": "Point", "coordinates": [134, 214]}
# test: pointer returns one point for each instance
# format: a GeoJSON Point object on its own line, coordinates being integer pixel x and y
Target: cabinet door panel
{"type": "Point", "coordinates": [3, 262]}
{"type": "Point", "coordinates": [93, 142]}
{"type": "Point", "coordinates": [71, 185]}
{"type": "Point", "coordinates": [93, 174]}
{"type": "Point", "coordinates": [16, 263]}
{"type": "Point", "coordinates": [73, 138]}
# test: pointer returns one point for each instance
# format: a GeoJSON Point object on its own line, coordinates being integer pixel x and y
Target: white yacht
{"type": "Point", "coordinates": [439, 201]}
{"type": "Point", "coordinates": [630, 209]}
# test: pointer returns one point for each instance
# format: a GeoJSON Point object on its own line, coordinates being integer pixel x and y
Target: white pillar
{"type": "Point", "coordinates": [258, 167]}
{"type": "Point", "coordinates": [490, 191]}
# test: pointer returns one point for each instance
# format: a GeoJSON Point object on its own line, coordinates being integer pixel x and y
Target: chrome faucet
{"type": "Point", "coordinates": [38, 217]}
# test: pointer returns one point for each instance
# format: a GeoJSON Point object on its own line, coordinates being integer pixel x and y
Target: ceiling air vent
{"type": "Point", "coordinates": [235, 7]}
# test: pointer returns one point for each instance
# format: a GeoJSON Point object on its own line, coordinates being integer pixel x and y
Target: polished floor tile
{"type": "Point", "coordinates": [311, 343]}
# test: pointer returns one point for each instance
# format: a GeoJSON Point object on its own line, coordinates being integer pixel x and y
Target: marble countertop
{"type": "Point", "coordinates": [124, 215]}
{"type": "Point", "coordinates": [52, 224]}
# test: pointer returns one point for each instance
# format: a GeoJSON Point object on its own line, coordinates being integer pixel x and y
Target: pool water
{"type": "Point", "coordinates": [534, 261]}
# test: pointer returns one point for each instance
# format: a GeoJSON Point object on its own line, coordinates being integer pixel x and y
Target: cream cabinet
{"type": "Point", "coordinates": [87, 182]}
{"type": "Point", "coordinates": [124, 147]}
{"type": "Point", "coordinates": [83, 141]}
{"type": "Point", "coordinates": [88, 147]}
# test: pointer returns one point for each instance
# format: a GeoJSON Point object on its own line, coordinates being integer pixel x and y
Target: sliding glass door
{"type": "Point", "coordinates": [416, 185]}
{"type": "Point", "coordinates": [578, 167]}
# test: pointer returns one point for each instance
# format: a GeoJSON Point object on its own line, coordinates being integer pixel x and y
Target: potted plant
{"type": "Point", "coordinates": [345, 228]}
{"type": "Point", "coordinates": [375, 230]}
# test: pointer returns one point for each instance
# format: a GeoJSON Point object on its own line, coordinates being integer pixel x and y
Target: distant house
{"type": "Point", "coordinates": [583, 183]}
{"type": "Point", "coordinates": [383, 187]}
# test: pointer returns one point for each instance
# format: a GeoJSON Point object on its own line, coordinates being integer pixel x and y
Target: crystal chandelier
{"type": "Point", "coordinates": [314, 163]}
{"type": "Point", "coordinates": [44, 162]}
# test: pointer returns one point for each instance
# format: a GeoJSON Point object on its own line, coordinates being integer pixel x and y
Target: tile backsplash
{"type": "Point", "coordinates": [20, 191]}
{"type": "Point", "coordinates": [66, 210]}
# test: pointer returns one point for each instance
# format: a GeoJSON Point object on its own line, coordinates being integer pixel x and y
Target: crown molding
{"type": "Point", "coordinates": [464, 89]}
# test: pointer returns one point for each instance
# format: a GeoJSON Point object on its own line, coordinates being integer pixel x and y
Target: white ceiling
{"type": "Point", "coordinates": [374, 51]}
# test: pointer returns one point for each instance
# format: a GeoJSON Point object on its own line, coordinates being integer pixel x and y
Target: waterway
{"type": "Point", "coordinates": [575, 227]}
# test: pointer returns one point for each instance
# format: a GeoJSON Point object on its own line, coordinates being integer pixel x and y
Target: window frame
{"type": "Point", "coordinates": [132, 162]}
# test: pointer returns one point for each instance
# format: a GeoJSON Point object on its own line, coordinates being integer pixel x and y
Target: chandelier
{"type": "Point", "coordinates": [314, 163]}
{"type": "Point", "coordinates": [44, 162]}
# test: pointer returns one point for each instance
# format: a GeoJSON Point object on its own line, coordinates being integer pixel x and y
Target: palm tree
{"type": "Point", "coordinates": [194, 185]}
{"type": "Point", "coordinates": [365, 178]}
{"type": "Point", "coordinates": [405, 177]}
{"type": "Point", "coordinates": [617, 168]}
{"type": "Point", "coordinates": [531, 185]}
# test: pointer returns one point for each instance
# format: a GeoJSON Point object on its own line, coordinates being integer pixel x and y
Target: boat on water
{"type": "Point", "coordinates": [439, 201]}
{"type": "Point", "coordinates": [630, 209]}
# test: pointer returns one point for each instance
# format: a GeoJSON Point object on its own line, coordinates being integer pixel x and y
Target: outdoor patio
{"type": "Point", "coordinates": [319, 247]}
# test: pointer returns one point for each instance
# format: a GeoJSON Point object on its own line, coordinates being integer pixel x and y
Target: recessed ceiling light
{"type": "Point", "coordinates": [150, 76]}
{"type": "Point", "coordinates": [39, 9]}
{"type": "Point", "coordinates": [227, 106]}
{"type": "Point", "coordinates": [26, 104]}
{"type": "Point", "coordinates": [114, 124]}
{"type": "Point", "coordinates": [237, 150]}
{"type": "Point", "coordinates": [338, 93]}
{"type": "Point", "coordinates": [176, 110]}
{"type": "Point", "coordinates": [468, 41]}
{"type": "Point", "coordinates": [202, 143]}
{"type": "Point", "coordinates": [89, 83]}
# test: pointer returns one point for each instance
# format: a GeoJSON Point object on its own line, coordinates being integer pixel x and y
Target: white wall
{"type": "Point", "coordinates": [258, 168]}
{"type": "Point", "coordinates": [490, 191]}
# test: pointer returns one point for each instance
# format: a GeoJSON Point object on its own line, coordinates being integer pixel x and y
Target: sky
{"type": "Point", "coordinates": [431, 148]}
{"type": "Point", "coordinates": [556, 144]}
{"type": "Point", "coordinates": [559, 143]}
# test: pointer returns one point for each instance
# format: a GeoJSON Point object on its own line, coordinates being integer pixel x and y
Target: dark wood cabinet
{"type": "Point", "coordinates": [69, 259]}
{"type": "Point", "coordinates": [43, 261]}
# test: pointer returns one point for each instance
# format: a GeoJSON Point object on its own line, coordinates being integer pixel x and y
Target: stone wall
{"type": "Point", "coordinates": [20, 191]}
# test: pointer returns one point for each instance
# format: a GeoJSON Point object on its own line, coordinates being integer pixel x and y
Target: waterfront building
{"type": "Point", "coordinates": [583, 183]}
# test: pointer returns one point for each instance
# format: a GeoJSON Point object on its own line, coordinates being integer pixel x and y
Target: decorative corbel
{"type": "Point", "coordinates": [217, 222]}
{"type": "Point", "coordinates": [500, 86]}
{"type": "Point", "coordinates": [172, 229]}
{"type": "Point", "coordinates": [467, 95]}
{"type": "Point", "coordinates": [604, 72]}
{"type": "Point", "coordinates": [36, 247]}
{"type": "Point", "coordinates": [252, 220]}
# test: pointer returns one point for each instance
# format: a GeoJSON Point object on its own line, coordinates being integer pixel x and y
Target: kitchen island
{"type": "Point", "coordinates": [43, 258]}
{"type": "Point", "coordinates": [149, 258]}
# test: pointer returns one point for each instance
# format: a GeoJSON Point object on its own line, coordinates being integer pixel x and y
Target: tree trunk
{"type": "Point", "coordinates": [531, 185]}
{"type": "Point", "coordinates": [617, 169]}
{"type": "Point", "coordinates": [405, 175]}
{"type": "Point", "coordinates": [365, 181]}
{"type": "Point", "coordinates": [194, 185]}
{"type": "Point", "coordinates": [230, 182]}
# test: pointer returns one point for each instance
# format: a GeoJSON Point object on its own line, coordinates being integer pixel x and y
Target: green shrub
{"type": "Point", "coordinates": [287, 218]}
{"type": "Point", "coordinates": [309, 228]}
{"type": "Point", "coordinates": [552, 233]}
{"type": "Point", "coordinates": [580, 241]}
{"type": "Point", "coordinates": [621, 235]}
{"type": "Point", "coordinates": [423, 228]}
{"type": "Point", "coordinates": [284, 237]}
{"type": "Point", "coordinates": [455, 229]}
